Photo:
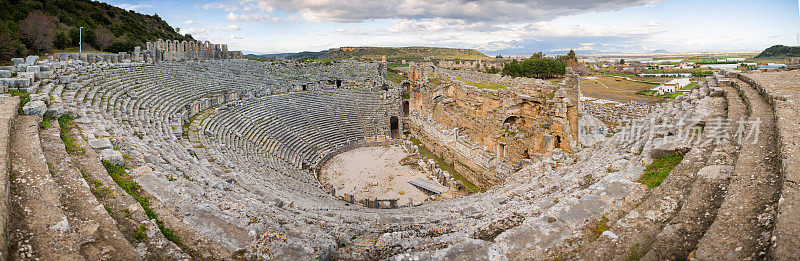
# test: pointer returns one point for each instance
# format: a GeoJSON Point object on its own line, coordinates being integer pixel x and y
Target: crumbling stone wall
{"type": "Point", "coordinates": [485, 130]}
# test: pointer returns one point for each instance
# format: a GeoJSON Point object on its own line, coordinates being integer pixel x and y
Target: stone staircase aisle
{"type": "Point", "coordinates": [744, 223]}
{"type": "Point", "coordinates": [129, 217]}
{"type": "Point", "coordinates": [673, 217]}
{"type": "Point", "coordinates": [106, 241]}
{"type": "Point", "coordinates": [8, 112]}
{"type": "Point", "coordinates": [40, 226]}
{"type": "Point", "coordinates": [680, 237]}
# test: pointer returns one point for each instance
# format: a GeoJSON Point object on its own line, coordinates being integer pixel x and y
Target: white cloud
{"type": "Point", "coordinates": [497, 46]}
{"type": "Point", "coordinates": [467, 10]}
{"type": "Point", "coordinates": [207, 30]}
{"type": "Point", "coordinates": [653, 23]}
{"type": "Point", "coordinates": [247, 17]}
{"type": "Point", "coordinates": [195, 31]}
{"type": "Point", "coordinates": [232, 27]}
{"type": "Point", "coordinates": [223, 6]}
{"type": "Point", "coordinates": [133, 7]}
{"type": "Point", "coordinates": [191, 22]}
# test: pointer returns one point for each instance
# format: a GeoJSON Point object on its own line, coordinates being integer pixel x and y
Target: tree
{"type": "Point", "coordinates": [499, 56]}
{"type": "Point", "coordinates": [535, 67]}
{"type": "Point", "coordinates": [74, 36]}
{"type": "Point", "coordinates": [62, 40]}
{"type": "Point", "coordinates": [621, 61]}
{"type": "Point", "coordinates": [10, 46]}
{"type": "Point", "coordinates": [103, 38]}
{"type": "Point", "coordinates": [38, 31]}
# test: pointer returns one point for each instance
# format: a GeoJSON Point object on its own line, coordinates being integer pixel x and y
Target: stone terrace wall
{"type": "Point", "coordinates": [492, 133]}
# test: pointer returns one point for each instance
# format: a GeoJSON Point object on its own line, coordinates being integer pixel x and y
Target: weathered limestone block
{"type": "Point", "coordinates": [31, 60]}
{"type": "Point", "coordinates": [55, 110]}
{"type": "Point", "coordinates": [530, 241]}
{"type": "Point", "coordinates": [34, 108]}
{"type": "Point", "coordinates": [112, 156]}
{"type": "Point", "coordinates": [40, 97]}
{"type": "Point", "coordinates": [100, 144]}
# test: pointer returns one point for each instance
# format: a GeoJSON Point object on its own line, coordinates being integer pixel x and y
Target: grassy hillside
{"type": "Point", "coordinates": [127, 28]}
{"type": "Point", "coordinates": [780, 51]}
{"type": "Point", "coordinates": [393, 53]}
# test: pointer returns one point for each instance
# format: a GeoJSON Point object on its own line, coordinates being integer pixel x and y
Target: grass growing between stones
{"type": "Point", "coordinates": [595, 229]}
{"type": "Point", "coordinates": [65, 122]}
{"type": "Point", "coordinates": [126, 182]}
{"type": "Point", "coordinates": [24, 97]}
{"type": "Point", "coordinates": [471, 188]}
{"type": "Point", "coordinates": [657, 171]}
{"type": "Point", "coordinates": [46, 122]}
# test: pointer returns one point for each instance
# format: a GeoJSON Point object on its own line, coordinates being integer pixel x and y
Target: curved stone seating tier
{"type": "Point", "coordinates": [247, 164]}
{"type": "Point", "coordinates": [304, 128]}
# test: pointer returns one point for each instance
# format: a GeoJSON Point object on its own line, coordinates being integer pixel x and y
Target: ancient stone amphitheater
{"type": "Point", "coordinates": [216, 159]}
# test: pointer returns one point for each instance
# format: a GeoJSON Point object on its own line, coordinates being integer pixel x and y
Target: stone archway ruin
{"type": "Point", "coordinates": [513, 119]}
{"type": "Point", "coordinates": [394, 127]}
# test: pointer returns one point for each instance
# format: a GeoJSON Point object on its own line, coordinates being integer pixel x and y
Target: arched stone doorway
{"type": "Point", "coordinates": [512, 120]}
{"type": "Point", "coordinates": [394, 127]}
{"type": "Point", "coordinates": [405, 109]}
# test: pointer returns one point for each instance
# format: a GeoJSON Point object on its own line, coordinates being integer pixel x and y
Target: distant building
{"type": "Point", "coordinates": [672, 86]}
{"type": "Point", "coordinates": [665, 75]}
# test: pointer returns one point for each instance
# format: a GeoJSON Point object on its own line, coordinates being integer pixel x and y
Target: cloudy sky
{"type": "Point", "coordinates": [491, 26]}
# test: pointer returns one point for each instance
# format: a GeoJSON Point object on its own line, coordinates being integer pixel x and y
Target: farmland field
{"type": "Point", "coordinates": [607, 86]}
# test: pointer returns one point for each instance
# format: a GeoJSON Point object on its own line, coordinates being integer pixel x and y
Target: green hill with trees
{"type": "Point", "coordinates": [539, 66]}
{"type": "Point", "coordinates": [41, 26]}
{"type": "Point", "coordinates": [780, 51]}
{"type": "Point", "coordinates": [393, 53]}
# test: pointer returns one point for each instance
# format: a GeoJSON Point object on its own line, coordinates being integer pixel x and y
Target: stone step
{"type": "Point", "coordinates": [634, 233]}
{"type": "Point", "coordinates": [128, 215]}
{"type": "Point", "coordinates": [8, 113]}
{"type": "Point", "coordinates": [679, 238]}
{"type": "Point", "coordinates": [743, 227]}
{"type": "Point", "coordinates": [39, 226]}
{"type": "Point", "coordinates": [80, 204]}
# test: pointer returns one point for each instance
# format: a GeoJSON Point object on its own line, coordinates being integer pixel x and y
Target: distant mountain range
{"type": "Point", "coordinates": [377, 53]}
